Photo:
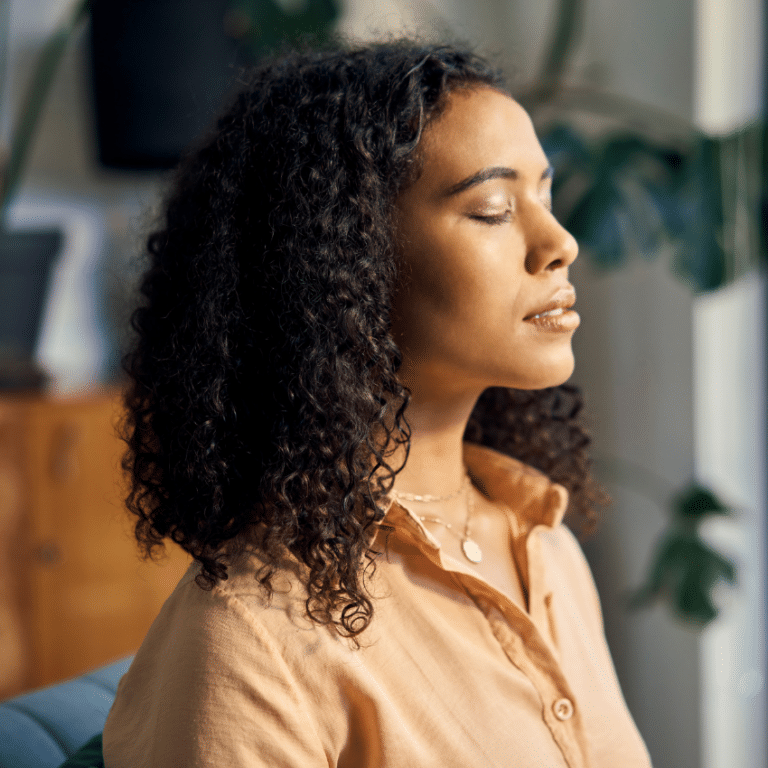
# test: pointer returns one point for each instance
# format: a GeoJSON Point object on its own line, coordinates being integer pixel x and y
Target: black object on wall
{"type": "Point", "coordinates": [161, 71]}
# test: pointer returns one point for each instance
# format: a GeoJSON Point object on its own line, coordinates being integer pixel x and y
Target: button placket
{"type": "Point", "coordinates": [530, 653]}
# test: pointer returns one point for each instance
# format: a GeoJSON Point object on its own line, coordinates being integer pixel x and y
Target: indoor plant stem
{"type": "Point", "coordinates": [42, 78]}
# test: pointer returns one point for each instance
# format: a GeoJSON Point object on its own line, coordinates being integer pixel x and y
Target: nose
{"type": "Point", "coordinates": [550, 245]}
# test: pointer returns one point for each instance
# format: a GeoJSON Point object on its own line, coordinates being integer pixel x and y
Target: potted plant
{"type": "Point", "coordinates": [160, 70]}
{"type": "Point", "coordinates": [27, 256]}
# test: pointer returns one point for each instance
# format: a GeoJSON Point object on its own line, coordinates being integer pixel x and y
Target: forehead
{"type": "Point", "coordinates": [479, 128]}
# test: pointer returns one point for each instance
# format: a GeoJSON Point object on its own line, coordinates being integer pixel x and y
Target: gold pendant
{"type": "Point", "coordinates": [472, 551]}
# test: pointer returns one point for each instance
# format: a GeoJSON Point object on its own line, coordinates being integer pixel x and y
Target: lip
{"type": "Point", "coordinates": [567, 320]}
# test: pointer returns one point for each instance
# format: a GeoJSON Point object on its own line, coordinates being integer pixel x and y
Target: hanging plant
{"type": "Point", "coordinates": [636, 195]}
{"type": "Point", "coordinates": [34, 99]}
{"type": "Point", "coordinates": [653, 182]}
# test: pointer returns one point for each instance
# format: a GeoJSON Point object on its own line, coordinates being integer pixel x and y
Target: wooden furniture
{"type": "Point", "coordinates": [74, 593]}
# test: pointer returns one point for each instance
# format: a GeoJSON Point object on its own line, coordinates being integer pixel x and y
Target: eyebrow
{"type": "Point", "coordinates": [497, 172]}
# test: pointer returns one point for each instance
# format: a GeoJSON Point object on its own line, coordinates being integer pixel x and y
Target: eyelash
{"type": "Point", "coordinates": [501, 218]}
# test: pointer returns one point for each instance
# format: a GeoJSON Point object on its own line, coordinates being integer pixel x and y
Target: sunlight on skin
{"type": "Point", "coordinates": [483, 254]}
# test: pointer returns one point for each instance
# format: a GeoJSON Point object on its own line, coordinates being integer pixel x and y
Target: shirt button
{"type": "Point", "coordinates": [563, 709]}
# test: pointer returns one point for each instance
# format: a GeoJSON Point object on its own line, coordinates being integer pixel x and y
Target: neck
{"type": "Point", "coordinates": [435, 466]}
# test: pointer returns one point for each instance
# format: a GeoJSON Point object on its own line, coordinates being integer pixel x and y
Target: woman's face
{"type": "Point", "coordinates": [481, 254]}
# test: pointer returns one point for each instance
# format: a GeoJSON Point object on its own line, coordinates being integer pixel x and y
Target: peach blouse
{"type": "Point", "coordinates": [451, 673]}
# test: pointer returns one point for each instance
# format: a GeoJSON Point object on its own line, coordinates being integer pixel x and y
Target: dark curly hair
{"type": "Point", "coordinates": [264, 372]}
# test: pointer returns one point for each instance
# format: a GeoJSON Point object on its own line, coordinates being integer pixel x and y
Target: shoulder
{"type": "Point", "coordinates": [236, 613]}
{"type": "Point", "coordinates": [215, 665]}
{"type": "Point", "coordinates": [201, 636]}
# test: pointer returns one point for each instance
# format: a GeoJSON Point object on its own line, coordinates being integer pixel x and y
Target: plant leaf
{"type": "Point", "coordinates": [564, 148]}
{"type": "Point", "coordinates": [685, 571]}
{"type": "Point", "coordinates": [596, 222]}
{"type": "Point", "coordinates": [695, 502]}
{"type": "Point", "coordinates": [701, 258]}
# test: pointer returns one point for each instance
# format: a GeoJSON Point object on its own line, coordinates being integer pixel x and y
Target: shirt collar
{"type": "Point", "coordinates": [528, 493]}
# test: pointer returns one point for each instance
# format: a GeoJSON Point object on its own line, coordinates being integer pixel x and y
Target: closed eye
{"type": "Point", "coordinates": [497, 218]}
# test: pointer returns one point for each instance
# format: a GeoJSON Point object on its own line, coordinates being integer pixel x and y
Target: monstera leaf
{"type": "Point", "coordinates": [624, 194]}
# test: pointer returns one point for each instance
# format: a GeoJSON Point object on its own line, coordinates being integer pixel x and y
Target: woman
{"type": "Point", "coordinates": [350, 358]}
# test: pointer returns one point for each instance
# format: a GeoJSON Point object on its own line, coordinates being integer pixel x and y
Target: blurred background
{"type": "Point", "coordinates": [653, 116]}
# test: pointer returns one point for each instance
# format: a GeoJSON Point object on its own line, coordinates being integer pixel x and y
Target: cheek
{"type": "Point", "coordinates": [463, 276]}
{"type": "Point", "coordinates": [433, 285]}
{"type": "Point", "coordinates": [435, 272]}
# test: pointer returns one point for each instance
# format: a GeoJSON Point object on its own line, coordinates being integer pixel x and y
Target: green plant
{"type": "Point", "coordinates": [632, 181]}
{"type": "Point", "coordinates": [684, 569]}
{"type": "Point", "coordinates": [34, 99]}
{"type": "Point", "coordinates": [640, 179]}
{"type": "Point", "coordinates": [265, 25]}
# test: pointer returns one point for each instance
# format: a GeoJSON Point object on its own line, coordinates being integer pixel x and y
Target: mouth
{"type": "Point", "coordinates": [556, 314]}
{"type": "Point", "coordinates": [549, 313]}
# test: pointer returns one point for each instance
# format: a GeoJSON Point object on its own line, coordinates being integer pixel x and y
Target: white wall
{"type": "Point", "coordinates": [635, 365]}
{"type": "Point", "coordinates": [730, 363]}
{"type": "Point", "coordinates": [729, 344]}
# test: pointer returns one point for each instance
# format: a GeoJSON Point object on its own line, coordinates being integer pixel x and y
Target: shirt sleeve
{"type": "Point", "coordinates": [209, 687]}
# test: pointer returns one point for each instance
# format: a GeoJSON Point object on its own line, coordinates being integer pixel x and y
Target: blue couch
{"type": "Point", "coordinates": [41, 729]}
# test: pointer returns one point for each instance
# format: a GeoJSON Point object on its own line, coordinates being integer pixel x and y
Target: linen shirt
{"type": "Point", "coordinates": [451, 673]}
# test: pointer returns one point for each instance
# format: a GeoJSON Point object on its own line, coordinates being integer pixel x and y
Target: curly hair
{"type": "Point", "coordinates": [263, 364]}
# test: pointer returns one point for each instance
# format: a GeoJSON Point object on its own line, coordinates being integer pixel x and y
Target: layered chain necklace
{"type": "Point", "coordinates": [470, 548]}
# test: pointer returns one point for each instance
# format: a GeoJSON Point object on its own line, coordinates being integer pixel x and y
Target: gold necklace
{"type": "Point", "coordinates": [470, 548]}
{"type": "Point", "coordinates": [427, 497]}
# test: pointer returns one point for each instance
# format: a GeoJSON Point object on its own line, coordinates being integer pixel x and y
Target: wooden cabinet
{"type": "Point", "coordinates": [74, 593]}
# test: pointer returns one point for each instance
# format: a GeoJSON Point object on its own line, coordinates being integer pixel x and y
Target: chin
{"type": "Point", "coordinates": [540, 376]}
